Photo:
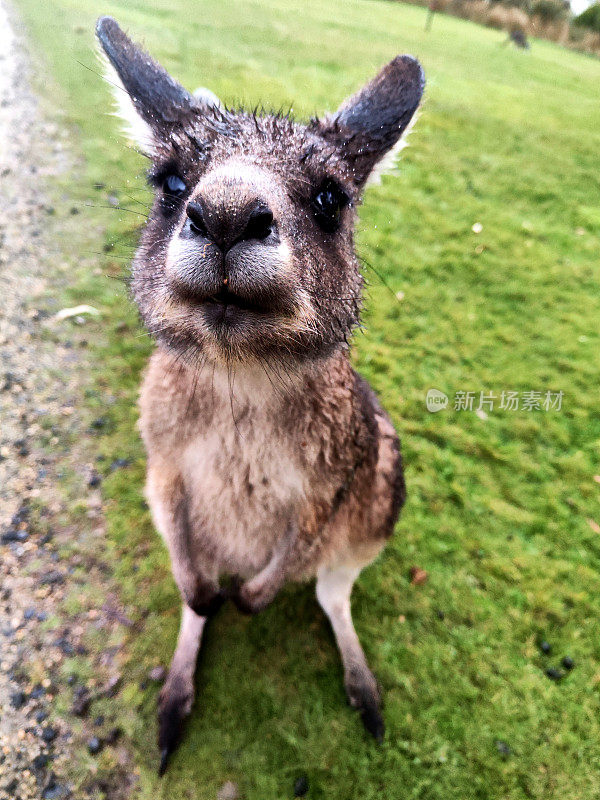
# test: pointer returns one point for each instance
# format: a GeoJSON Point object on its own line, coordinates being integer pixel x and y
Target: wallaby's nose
{"type": "Point", "coordinates": [226, 226]}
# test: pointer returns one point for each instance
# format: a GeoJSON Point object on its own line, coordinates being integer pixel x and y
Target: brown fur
{"type": "Point", "coordinates": [269, 458]}
{"type": "Point", "coordinates": [319, 450]}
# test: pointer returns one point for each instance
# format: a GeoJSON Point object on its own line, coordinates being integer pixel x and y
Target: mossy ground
{"type": "Point", "coordinates": [502, 511]}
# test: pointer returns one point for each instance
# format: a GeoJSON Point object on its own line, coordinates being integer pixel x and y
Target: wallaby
{"type": "Point", "coordinates": [269, 458]}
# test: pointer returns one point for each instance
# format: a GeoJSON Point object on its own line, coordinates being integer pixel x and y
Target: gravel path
{"type": "Point", "coordinates": [42, 371]}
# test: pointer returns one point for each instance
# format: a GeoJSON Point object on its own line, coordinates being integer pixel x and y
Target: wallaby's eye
{"type": "Point", "coordinates": [174, 185]}
{"type": "Point", "coordinates": [327, 205]}
{"type": "Point", "coordinates": [173, 189]}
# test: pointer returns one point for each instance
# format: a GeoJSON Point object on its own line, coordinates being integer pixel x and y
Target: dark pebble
{"type": "Point", "coordinates": [99, 423]}
{"type": "Point", "coordinates": [20, 516]}
{"type": "Point", "coordinates": [42, 616]}
{"type": "Point", "coordinates": [94, 745]}
{"type": "Point", "coordinates": [18, 699]}
{"type": "Point", "coordinates": [94, 480]}
{"type": "Point", "coordinates": [503, 748]}
{"type": "Point", "coordinates": [52, 577]}
{"type": "Point", "coordinates": [300, 786]}
{"type": "Point", "coordinates": [545, 647]}
{"type": "Point", "coordinates": [120, 463]}
{"type": "Point", "coordinates": [66, 646]}
{"type": "Point", "coordinates": [99, 721]}
{"type": "Point", "coordinates": [113, 735]}
{"type": "Point", "coordinates": [21, 446]}
{"type": "Point", "coordinates": [29, 613]}
{"type": "Point", "coordinates": [37, 692]}
{"type": "Point", "coordinates": [54, 791]}
{"type": "Point", "coordinates": [74, 210]}
{"type": "Point", "coordinates": [49, 734]}
{"type": "Point", "coordinates": [39, 762]}
{"type": "Point", "coordinates": [82, 701]}
{"type": "Point", "coordinates": [554, 674]}
{"type": "Point", "coordinates": [9, 380]}
{"type": "Point", "coordinates": [14, 535]}
{"type": "Point", "coordinates": [72, 679]}
{"type": "Point", "coordinates": [568, 662]}
{"type": "Point", "coordinates": [41, 716]}
{"type": "Point", "coordinates": [440, 614]}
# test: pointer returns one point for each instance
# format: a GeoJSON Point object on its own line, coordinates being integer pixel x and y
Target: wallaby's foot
{"type": "Point", "coordinates": [174, 706]}
{"type": "Point", "coordinates": [177, 695]}
{"type": "Point", "coordinates": [364, 695]}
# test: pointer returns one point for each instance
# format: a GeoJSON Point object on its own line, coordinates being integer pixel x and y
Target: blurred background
{"type": "Point", "coordinates": [481, 619]}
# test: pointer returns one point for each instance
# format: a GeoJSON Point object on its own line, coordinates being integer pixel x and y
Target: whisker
{"type": "Point", "coordinates": [116, 208]}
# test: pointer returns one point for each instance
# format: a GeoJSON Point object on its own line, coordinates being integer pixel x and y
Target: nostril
{"type": "Point", "coordinates": [196, 218]}
{"type": "Point", "coordinates": [259, 225]}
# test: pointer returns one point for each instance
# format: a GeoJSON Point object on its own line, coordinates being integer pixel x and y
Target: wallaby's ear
{"type": "Point", "coordinates": [370, 124]}
{"type": "Point", "coordinates": [148, 99]}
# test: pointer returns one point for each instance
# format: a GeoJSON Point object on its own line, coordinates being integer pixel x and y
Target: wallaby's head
{"type": "Point", "coordinates": [248, 252]}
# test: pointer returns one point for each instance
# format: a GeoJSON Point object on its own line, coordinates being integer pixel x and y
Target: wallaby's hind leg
{"type": "Point", "coordinates": [334, 586]}
{"type": "Point", "coordinates": [177, 694]}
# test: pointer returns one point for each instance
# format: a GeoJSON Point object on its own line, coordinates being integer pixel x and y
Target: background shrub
{"type": "Point", "coordinates": [590, 18]}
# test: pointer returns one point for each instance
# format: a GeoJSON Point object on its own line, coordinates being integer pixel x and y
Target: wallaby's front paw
{"type": "Point", "coordinates": [249, 597]}
{"type": "Point", "coordinates": [174, 706]}
{"type": "Point", "coordinates": [206, 601]}
{"type": "Point", "coordinates": [364, 695]}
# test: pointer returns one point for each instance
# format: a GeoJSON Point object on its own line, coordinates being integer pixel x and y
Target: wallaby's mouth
{"type": "Point", "coordinates": [230, 310]}
{"type": "Point", "coordinates": [225, 298]}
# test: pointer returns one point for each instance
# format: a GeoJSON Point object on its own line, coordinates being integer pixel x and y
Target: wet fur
{"type": "Point", "coordinates": [318, 450]}
{"type": "Point", "coordinates": [269, 459]}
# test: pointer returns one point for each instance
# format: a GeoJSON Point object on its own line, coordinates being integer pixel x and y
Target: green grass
{"type": "Point", "coordinates": [499, 508]}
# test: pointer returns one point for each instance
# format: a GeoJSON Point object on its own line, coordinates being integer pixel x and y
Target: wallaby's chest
{"type": "Point", "coordinates": [245, 480]}
{"type": "Point", "coordinates": [251, 458]}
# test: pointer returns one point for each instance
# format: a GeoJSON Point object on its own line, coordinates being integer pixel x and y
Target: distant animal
{"type": "Point", "coordinates": [269, 458]}
{"type": "Point", "coordinates": [518, 37]}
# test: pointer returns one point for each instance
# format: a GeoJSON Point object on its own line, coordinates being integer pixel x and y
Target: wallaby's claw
{"type": "Point", "coordinates": [171, 717]}
{"type": "Point", "coordinates": [164, 760]}
{"type": "Point", "coordinates": [364, 695]}
{"type": "Point", "coordinates": [373, 721]}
